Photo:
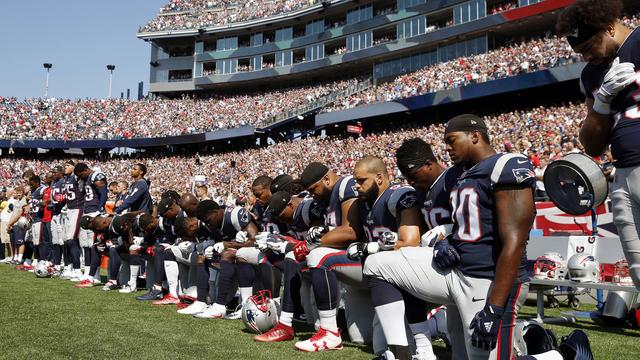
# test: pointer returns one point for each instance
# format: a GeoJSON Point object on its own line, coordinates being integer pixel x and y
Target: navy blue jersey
{"type": "Point", "coordinates": [235, 219]}
{"type": "Point", "coordinates": [92, 201]}
{"type": "Point", "coordinates": [343, 190]}
{"type": "Point", "coordinates": [434, 204]}
{"type": "Point", "coordinates": [136, 199]}
{"type": "Point", "coordinates": [74, 192]}
{"type": "Point", "coordinates": [166, 230]}
{"type": "Point", "coordinates": [307, 213]}
{"type": "Point", "coordinates": [625, 108]}
{"type": "Point", "coordinates": [475, 224]}
{"type": "Point", "coordinates": [37, 210]}
{"type": "Point", "coordinates": [57, 189]}
{"type": "Point", "coordinates": [270, 224]}
{"type": "Point", "coordinates": [384, 214]}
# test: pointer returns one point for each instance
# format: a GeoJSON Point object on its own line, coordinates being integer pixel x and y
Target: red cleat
{"type": "Point", "coordinates": [87, 283]}
{"type": "Point", "coordinates": [281, 332]}
{"type": "Point", "coordinates": [167, 300]}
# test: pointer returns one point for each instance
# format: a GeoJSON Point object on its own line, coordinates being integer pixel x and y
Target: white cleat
{"type": "Point", "coordinates": [127, 289]}
{"type": "Point", "coordinates": [321, 341]}
{"type": "Point", "coordinates": [212, 312]}
{"type": "Point", "coordinates": [237, 314]}
{"type": "Point", "coordinates": [195, 308]}
{"type": "Point", "coordinates": [424, 355]}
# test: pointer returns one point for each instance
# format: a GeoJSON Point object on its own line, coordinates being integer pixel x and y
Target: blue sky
{"type": "Point", "coordinates": [79, 37]}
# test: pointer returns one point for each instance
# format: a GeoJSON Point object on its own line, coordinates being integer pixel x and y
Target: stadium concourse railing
{"type": "Point", "coordinates": [316, 104]}
{"type": "Point", "coordinates": [495, 87]}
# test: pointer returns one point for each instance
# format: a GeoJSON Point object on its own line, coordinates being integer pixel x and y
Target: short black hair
{"type": "Point", "coordinates": [205, 207]}
{"type": "Point", "coordinates": [142, 168]}
{"type": "Point", "coordinates": [180, 226]}
{"type": "Point", "coordinates": [262, 181]}
{"type": "Point", "coordinates": [597, 14]}
{"type": "Point", "coordinates": [171, 194]}
{"type": "Point", "coordinates": [413, 154]}
{"type": "Point", "coordinates": [144, 220]}
{"type": "Point", "coordinates": [80, 167]}
{"type": "Point", "coordinates": [35, 178]}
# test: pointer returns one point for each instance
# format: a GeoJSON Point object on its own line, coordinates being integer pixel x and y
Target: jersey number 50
{"type": "Point", "coordinates": [466, 214]}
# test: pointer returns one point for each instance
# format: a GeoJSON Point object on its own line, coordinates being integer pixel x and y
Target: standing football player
{"type": "Point", "coordinates": [95, 197]}
{"type": "Point", "coordinates": [612, 89]}
{"type": "Point", "coordinates": [74, 203]}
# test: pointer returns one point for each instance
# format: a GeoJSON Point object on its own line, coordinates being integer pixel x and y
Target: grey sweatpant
{"type": "Point", "coordinates": [625, 196]}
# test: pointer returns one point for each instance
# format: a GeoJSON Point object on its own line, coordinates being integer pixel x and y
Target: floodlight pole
{"type": "Point", "coordinates": [110, 68]}
{"type": "Point", "coordinates": [47, 66]}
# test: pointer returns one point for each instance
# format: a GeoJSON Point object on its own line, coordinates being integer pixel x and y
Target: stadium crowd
{"type": "Point", "coordinates": [197, 14]}
{"type": "Point", "coordinates": [542, 132]}
{"type": "Point", "coordinates": [511, 60]}
{"type": "Point", "coordinates": [120, 118]}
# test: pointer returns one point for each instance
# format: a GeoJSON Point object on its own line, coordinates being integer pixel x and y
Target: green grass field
{"type": "Point", "coordinates": [50, 319]}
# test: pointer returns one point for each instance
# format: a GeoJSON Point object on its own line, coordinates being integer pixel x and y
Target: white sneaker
{"type": "Point", "coordinates": [195, 308]}
{"type": "Point", "coordinates": [66, 273]}
{"type": "Point", "coordinates": [76, 276]}
{"type": "Point", "coordinates": [126, 289]}
{"type": "Point", "coordinates": [236, 314]}
{"type": "Point", "coordinates": [321, 341]}
{"type": "Point", "coordinates": [424, 353]}
{"type": "Point", "coordinates": [5, 260]}
{"type": "Point", "coordinates": [212, 312]}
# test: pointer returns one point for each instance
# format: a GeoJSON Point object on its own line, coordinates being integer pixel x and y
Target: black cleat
{"type": "Point", "coordinates": [576, 346]}
{"type": "Point", "coordinates": [153, 294]}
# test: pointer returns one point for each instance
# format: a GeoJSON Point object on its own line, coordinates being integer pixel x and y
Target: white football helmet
{"type": "Point", "coordinates": [621, 273]}
{"type": "Point", "coordinates": [584, 268]}
{"type": "Point", "coordinates": [43, 269]}
{"type": "Point", "coordinates": [551, 266]}
{"type": "Point", "coordinates": [260, 312]}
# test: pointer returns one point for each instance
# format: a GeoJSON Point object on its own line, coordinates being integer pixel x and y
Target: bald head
{"type": "Point", "coordinates": [189, 203]}
{"type": "Point", "coordinates": [372, 165]}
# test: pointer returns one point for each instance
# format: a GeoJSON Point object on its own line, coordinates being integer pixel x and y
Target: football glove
{"type": "Point", "coordinates": [138, 240]}
{"type": "Point", "coordinates": [314, 234]}
{"type": "Point", "coordinates": [438, 233]}
{"type": "Point", "coordinates": [208, 252]}
{"type": "Point", "coordinates": [241, 237]}
{"type": "Point", "coordinates": [277, 244]}
{"type": "Point", "coordinates": [359, 250]}
{"type": "Point", "coordinates": [184, 246]}
{"type": "Point", "coordinates": [619, 76]}
{"type": "Point", "coordinates": [445, 256]}
{"type": "Point", "coordinates": [485, 326]}
{"type": "Point", "coordinates": [218, 247]}
{"type": "Point", "coordinates": [261, 240]}
{"type": "Point", "coordinates": [300, 251]}
{"type": "Point", "coordinates": [387, 240]}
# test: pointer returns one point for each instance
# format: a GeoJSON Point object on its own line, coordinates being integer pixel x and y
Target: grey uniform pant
{"type": "Point", "coordinates": [625, 196]}
{"type": "Point", "coordinates": [411, 269]}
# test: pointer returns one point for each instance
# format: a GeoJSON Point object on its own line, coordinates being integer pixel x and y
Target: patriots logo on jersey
{"type": "Point", "coordinates": [353, 188]}
{"type": "Point", "coordinates": [244, 217]}
{"type": "Point", "coordinates": [523, 174]}
{"type": "Point", "coordinates": [408, 201]}
{"type": "Point", "coordinates": [316, 210]}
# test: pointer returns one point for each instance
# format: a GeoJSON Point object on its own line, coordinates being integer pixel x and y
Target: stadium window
{"type": "Point", "coordinates": [199, 47]}
{"type": "Point", "coordinates": [284, 34]}
{"type": "Point", "coordinates": [256, 39]}
{"type": "Point", "coordinates": [256, 62]}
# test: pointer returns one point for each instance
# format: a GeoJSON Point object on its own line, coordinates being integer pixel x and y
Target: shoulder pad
{"type": "Point", "coordinates": [402, 198]}
{"type": "Point", "coordinates": [347, 189]}
{"type": "Point", "coordinates": [512, 169]}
